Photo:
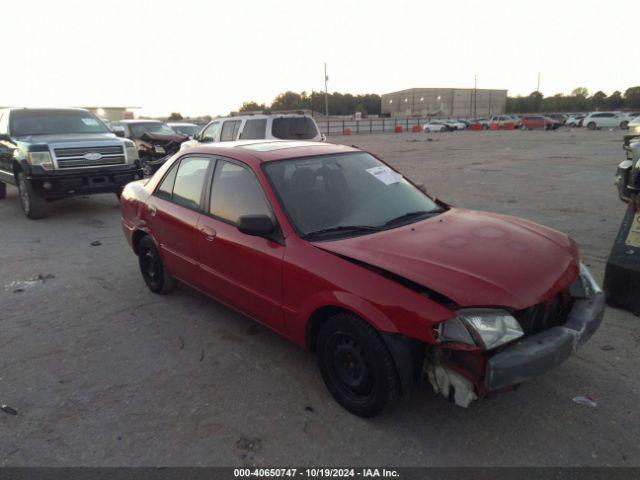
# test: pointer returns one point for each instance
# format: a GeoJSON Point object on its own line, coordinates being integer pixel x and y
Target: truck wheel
{"type": "Point", "coordinates": [153, 271]}
{"type": "Point", "coordinates": [356, 366]}
{"type": "Point", "coordinates": [591, 126]}
{"type": "Point", "coordinates": [3, 190]}
{"type": "Point", "coordinates": [33, 205]}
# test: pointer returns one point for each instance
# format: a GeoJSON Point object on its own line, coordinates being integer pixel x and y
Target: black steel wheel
{"type": "Point", "coordinates": [356, 365]}
{"type": "Point", "coordinates": [153, 271]}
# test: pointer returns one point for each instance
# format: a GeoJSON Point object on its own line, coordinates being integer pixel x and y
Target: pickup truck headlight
{"type": "Point", "coordinates": [482, 327]}
{"type": "Point", "coordinates": [42, 159]}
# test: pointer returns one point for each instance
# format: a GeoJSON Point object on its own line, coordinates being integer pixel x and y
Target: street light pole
{"type": "Point", "coordinates": [326, 92]}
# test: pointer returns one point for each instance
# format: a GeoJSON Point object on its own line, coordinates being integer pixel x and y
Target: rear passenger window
{"type": "Point", "coordinates": [165, 189]}
{"type": "Point", "coordinates": [254, 129]}
{"type": "Point", "coordinates": [189, 182]}
{"type": "Point", "coordinates": [230, 130]}
{"type": "Point", "coordinates": [236, 192]}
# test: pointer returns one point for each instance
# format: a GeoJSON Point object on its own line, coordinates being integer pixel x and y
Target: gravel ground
{"type": "Point", "coordinates": [102, 372]}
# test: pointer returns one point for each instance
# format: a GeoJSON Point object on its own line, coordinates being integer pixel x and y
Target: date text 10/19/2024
{"type": "Point", "coordinates": [315, 473]}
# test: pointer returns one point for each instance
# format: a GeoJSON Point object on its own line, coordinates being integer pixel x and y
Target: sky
{"type": "Point", "coordinates": [207, 57]}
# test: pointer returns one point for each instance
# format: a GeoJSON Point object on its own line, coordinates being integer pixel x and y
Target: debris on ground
{"type": "Point", "coordinates": [607, 348]}
{"type": "Point", "coordinates": [308, 409]}
{"type": "Point", "coordinates": [18, 286]}
{"type": "Point", "coordinates": [9, 410]}
{"type": "Point", "coordinates": [201, 356]}
{"type": "Point", "coordinates": [181, 341]}
{"type": "Point", "coordinates": [96, 243]}
{"type": "Point", "coordinates": [589, 400]}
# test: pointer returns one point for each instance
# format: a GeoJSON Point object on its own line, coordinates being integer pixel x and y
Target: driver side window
{"type": "Point", "coordinates": [210, 133]}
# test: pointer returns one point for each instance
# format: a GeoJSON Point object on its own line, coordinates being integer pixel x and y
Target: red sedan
{"type": "Point", "coordinates": [338, 252]}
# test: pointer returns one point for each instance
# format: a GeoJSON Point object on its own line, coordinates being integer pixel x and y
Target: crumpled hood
{"type": "Point", "coordinates": [162, 139]}
{"type": "Point", "coordinates": [474, 258]}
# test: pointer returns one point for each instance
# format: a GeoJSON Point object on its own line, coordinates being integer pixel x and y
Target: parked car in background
{"type": "Point", "coordinates": [283, 126]}
{"type": "Point", "coordinates": [436, 126]}
{"type": "Point", "coordinates": [54, 153]}
{"type": "Point", "coordinates": [484, 121]}
{"type": "Point", "coordinates": [188, 129]}
{"type": "Point", "coordinates": [632, 133]}
{"type": "Point", "coordinates": [456, 124]}
{"type": "Point", "coordinates": [501, 120]}
{"type": "Point", "coordinates": [561, 118]}
{"type": "Point", "coordinates": [574, 120]}
{"type": "Point", "coordinates": [338, 252]}
{"type": "Point", "coordinates": [531, 122]}
{"type": "Point", "coordinates": [155, 140]}
{"type": "Point", "coordinates": [598, 120]}
{"type": "Point", "coordinates": [628, 117]}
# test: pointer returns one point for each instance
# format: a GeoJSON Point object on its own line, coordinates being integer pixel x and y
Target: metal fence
{"type": "Point", "coordinates": [368, 125]}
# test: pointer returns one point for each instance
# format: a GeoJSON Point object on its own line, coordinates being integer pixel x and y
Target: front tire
{"type": "Point", "coordinates": [153, 271]}
{"type": "Point", "coordinates": [591, 126]}
{"type": "Point", "coordinates": [356, 366]}
{"type": "Point", "coordinates": [33, 205]}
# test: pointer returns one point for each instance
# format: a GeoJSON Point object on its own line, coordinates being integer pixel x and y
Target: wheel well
{"type": "Point", "coordinates": [317, 319]}
{"type": "Point", "coordinates": [135, 240]}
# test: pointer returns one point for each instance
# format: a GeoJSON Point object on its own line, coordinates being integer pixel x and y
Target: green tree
{"type": "Point", "coordinates": [615, 101]}
{"type": "Point", "coordinates": [632, 97]}
{"type": "Point", "coordinates": [252, 106]}
{"type": "Point", "coordinates": [599, 100]}
{"type": "Point", "coordinates": [580, 92]}
{"type": "Point", "coordinates": [175, 116]}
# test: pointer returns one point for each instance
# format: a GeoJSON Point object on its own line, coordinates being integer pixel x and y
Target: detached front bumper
{"type": "Point", "coordinates": [536, 354]}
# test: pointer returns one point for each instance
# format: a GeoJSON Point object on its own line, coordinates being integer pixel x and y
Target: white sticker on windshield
{"type": "Point", "coordinates": [90, 121]}
{"type": "Point", "coordinates": [385, 174]}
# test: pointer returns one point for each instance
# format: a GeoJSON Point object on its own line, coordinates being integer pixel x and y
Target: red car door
{"type": "Point", "coordinates": [173, 212]}
{"type": "Point", "coordinates": [240, 270]}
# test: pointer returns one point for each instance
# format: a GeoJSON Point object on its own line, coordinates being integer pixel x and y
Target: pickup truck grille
{"type": "Point", "coordinates": [75, 157]}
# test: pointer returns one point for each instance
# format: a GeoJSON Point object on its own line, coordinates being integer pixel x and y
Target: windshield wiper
{"type": "Point", "coordinates": [344, 228]}
{"type": "Point", "coordinates": [412, 215]}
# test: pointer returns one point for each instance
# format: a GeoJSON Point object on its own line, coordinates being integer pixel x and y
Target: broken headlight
{"type": "Point", "coordinates": [132, 152]}
{"type": "Point", "coordinates": [482, 327]}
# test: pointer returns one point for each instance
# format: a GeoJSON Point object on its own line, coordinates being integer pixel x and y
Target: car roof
{"type": "Point", "coordinates": [259, 151]}
{"type": "Point", "coordinates": [139, 120]}
{"type": "Point", "coordinates": [182, 124]}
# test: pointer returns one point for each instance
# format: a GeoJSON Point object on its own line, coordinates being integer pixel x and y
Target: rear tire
{"type": "Point", "coordinates": [591, 126]}
{"type": "Point", "coordinates": [3, 190]}
{"type": "Point", "coordinates": [153, 271]}
{"type": "Point", "coordinates": [356, 366]}
{"type": "Point", "coordinates": [33, 205]}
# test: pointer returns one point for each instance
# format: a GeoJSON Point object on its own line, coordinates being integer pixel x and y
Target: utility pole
{"type": "Point", "coordinates": [475, 96]}
{"type": "Point", "coordinates": [326, 92]}
{"type": "Point", "coordinates": [539, 96]}
{"type": "Point", "coordinates": [538, 87]}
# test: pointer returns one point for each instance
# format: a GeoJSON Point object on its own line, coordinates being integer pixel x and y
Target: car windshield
{"type": "Point", "coordinates": [294, 128]}
{"type": "Point", "coordinates": [189, 130]}
{"type": "Point", "coordinates": [53, 122]}
{"type": "Point", "coordinates": [341, 195]}
{"type": "Point", "coordinates": [139, 129]}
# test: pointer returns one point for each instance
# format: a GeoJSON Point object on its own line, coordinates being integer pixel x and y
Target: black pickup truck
{"type": "Point", "coordinates": [51, 154]}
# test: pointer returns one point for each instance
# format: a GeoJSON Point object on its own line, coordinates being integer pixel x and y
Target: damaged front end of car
{"type": "Point", "coordinates": [482, 350]}
{"type": "Point", "coordinates": [155, 149]}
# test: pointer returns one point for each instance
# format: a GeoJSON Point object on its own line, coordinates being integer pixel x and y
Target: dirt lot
{"type": "Point", "coordinates": [102, 372]}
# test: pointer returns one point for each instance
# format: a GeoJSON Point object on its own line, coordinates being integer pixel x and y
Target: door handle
{"type": "Point", "coordinates": [209, 233]}
{"type": "Point", "coordinates": [152, 210]}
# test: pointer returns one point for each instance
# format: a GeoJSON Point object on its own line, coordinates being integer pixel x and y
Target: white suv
{"type": "Point", "coordinates": [605, 120]}
{"type": "Point", "coordinates": [266, 126]}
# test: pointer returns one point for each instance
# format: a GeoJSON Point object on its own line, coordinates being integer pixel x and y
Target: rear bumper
{"type": "Point", "coordinates": [539, 353]}
{"type": "Point", "coordinates": [56, 184]}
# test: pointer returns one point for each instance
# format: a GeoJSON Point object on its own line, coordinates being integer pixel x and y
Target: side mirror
{"type": "Point", "coordinates": [119, 132]}
{"type": "Point", "coordinates": [256, 225]}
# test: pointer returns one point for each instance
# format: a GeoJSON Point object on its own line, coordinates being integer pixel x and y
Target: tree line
{"type": "Point", "coordinates": [579, 101]}
{"type": "Point", "coordinates": [339, 103]}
